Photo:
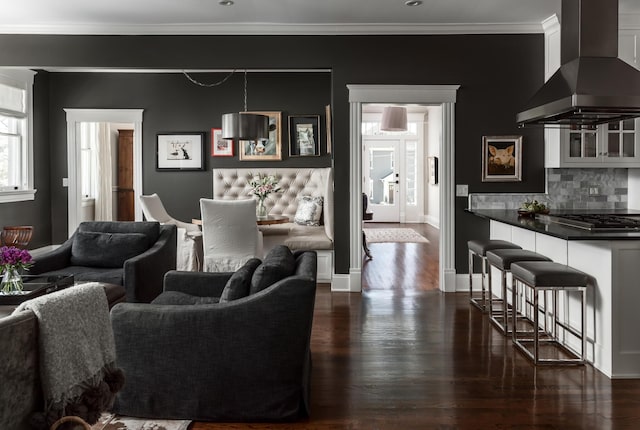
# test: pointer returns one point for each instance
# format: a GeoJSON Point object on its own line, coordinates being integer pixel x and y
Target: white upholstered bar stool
{"type": "Point", "coordinates": [478, 248]}
{"type": "Point", "coordinates": [502, 259]}
{"type": "Point", "coordinates": [542, 277]}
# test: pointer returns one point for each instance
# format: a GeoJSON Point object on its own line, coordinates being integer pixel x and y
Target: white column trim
{"type": "Point", "coordinates": [447, 200]}
{"type": "Point", "coordinates": [444, 95]}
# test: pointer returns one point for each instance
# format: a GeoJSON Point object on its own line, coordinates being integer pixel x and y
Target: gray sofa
{"type": "Point", "coordinates": [246, 359]}
{"type": "Point", "coordinates": [20, 392]}
{"type": "Point", "coordinates": [20, 389]}
{"type": "Point", "coordinates": [133, 254]}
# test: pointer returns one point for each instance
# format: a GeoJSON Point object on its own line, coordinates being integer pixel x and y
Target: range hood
{"type": "Point", "coordinates": [593, 86]}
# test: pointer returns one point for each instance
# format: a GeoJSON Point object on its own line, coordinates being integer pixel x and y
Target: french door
{"type": "Point", "coordinates": [381, 181]}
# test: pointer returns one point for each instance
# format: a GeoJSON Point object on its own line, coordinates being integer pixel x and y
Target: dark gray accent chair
{"type": "Point", "coordinates": [133, 254]}
{"type": "Point", "coordinates": [242, 360]}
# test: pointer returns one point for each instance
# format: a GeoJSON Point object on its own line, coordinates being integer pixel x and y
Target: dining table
{"type": "Point", "coordinates": [268, 220]}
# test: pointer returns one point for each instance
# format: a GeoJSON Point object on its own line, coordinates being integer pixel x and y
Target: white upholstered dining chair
{"type": "Point", "coordinates": [189, 246]}
{"type": "Point", "coordinates": [230, 234]}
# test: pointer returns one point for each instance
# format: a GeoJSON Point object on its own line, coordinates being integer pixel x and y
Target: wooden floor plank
{"type": "Point", "coordinates": [403, 355]}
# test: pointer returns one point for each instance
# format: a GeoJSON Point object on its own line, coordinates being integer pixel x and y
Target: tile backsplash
{"type": "Point", "coordinates": [567, 189]}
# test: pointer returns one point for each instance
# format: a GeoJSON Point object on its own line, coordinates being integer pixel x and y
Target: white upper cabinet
{"type": "Point", "coordinates": [628, 47]}
{"type": "Point", "coordinates": [609, 145]}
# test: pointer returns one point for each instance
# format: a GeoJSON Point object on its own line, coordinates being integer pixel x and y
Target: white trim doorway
{"type": "Point", "coordinates": [74, 118]}
{"type": "Point", "coordinates": [444, 95]}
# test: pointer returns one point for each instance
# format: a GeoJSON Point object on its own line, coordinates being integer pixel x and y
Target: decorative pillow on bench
{"type": "Point", "coordinates": [309, 210]}
{"type": "Point", "coordinates": [93, 249]}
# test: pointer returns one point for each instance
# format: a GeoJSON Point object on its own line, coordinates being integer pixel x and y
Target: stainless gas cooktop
{"type": "Point", "coordinates": [597, 222]}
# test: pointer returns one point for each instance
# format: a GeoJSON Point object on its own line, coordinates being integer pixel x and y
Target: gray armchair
{"type": "Point", "coordinates": [133, 254]}
{"type": "Point", "coordinates": [242, 360]}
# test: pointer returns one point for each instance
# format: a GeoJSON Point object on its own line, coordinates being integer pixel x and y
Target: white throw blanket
{"type": "Point", "coordinates": [77, 348]}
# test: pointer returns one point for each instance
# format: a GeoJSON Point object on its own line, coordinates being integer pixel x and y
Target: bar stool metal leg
{"type": "Point", "coordinates": [479, 249]}
{"type": "Point", "coordinates": [534, 279]}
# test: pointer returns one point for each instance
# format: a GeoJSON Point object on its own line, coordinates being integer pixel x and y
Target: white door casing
{"type": "Point", "coordinates": [74, 118]}
{"type": "Point", "coordinates": [444, 95]}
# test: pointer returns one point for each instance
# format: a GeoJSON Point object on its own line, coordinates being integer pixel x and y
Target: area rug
{"type": "Point", "coordinates": [381, 235]}
{"type": "Point", "coordinates": [114, 422]}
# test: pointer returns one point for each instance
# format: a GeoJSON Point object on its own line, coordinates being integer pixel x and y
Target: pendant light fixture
{"type": "Point", "coordinates": [394, 118]}
{"type": "Point", "coordinates": [245, 126]}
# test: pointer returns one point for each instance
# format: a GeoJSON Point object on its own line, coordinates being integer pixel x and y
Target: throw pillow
{"type": "Point", "coordinates": [151, 229]}
{"type": "Point", "coordinates": [309, 211]}
{"type": "Point", "coordinates": [277, 264]}
{"type": "Point", "coordinates": [239, 283]}
{"type": "Point", "coordinates": [94, 249]}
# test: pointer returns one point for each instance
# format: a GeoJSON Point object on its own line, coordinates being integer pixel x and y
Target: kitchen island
{"type": "Point", "coordinates": [612, 258]}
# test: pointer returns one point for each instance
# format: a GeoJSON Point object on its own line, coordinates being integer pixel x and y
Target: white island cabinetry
{"type": "Point", "coordinates": [613, 299]}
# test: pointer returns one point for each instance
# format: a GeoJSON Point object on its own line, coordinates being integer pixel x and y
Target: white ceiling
{"type": "Point", "coordinates": [281, 16]}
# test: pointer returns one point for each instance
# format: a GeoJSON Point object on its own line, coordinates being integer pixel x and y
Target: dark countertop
{"type": "Point", "coordinates": [511, 217]}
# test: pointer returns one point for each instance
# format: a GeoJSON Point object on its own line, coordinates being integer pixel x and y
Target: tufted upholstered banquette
{"type": "Point", "coordinates": [294, 183]}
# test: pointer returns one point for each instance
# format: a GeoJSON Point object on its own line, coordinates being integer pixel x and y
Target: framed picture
{"type": "Point", "coordinates": [220, 147]}
{"type": "Point", "coordinates": [264, 149]}
{"type": "Point", "coordinates": [501, 158]}
{"type": "Point", "coordinates": [327, 115]}
{"type": "Point", "coordinates": [180, 151]}
{"type": "Point", "coordinates": [304, 135]}
{"type": "Point", "coordinates": [433, 170]}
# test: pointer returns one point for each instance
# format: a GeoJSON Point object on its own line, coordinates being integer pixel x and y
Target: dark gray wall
{"type": "Point", "coordinates": [497, 74]}
{"type": "Point", "coordinates": [172, 103]}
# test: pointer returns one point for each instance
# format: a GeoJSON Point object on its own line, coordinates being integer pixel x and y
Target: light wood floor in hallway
{"type": "Point", "coordinates": [403, 355]}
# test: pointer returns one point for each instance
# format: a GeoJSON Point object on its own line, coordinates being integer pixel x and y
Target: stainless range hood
{"type": "Point", "coordinates": [593, 86]}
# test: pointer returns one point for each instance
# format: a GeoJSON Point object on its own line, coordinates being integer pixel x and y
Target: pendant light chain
{"type": "Point", "coordinates": [245, 90]}
{"type": "Point", "coordinates": [215, 84]}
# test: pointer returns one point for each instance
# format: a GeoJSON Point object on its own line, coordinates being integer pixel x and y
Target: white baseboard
{"type": "Point", "coordinates": [462, 282]}
{"type": "Point", "coordinates": [340, 283]}
{"type": "Point", "coordinates": [433, 221]}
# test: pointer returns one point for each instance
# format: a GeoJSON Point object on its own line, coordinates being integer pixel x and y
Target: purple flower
{"type": "Point", "coordinates": [12, 257]}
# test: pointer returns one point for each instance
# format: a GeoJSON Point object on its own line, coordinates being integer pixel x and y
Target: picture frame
{"type": "Point", "coordinates": [501, 158]}
{"type": "Point", "coordinates": [304, 135]}
{"type": "Point", "coordinates": [220, 147]}
{"type": "Point", "coordinates": [180, 151]}
{"type": "Point", "coordinates": [327, 115]}
{"type": "Point", "coordinates": [433, 170]}
{"type": "Point", "coordinates": [265, 149]}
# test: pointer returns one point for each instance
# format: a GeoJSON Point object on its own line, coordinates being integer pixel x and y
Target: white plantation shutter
{"type": "Point", "coordinates": [16, 157]}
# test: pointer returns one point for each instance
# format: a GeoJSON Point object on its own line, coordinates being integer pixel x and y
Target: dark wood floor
{"type": "Point", "coordinates": [403, 355]}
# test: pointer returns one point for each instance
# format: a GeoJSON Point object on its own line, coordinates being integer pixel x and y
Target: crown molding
{"type": "Point", "coordinates": [274, 29]}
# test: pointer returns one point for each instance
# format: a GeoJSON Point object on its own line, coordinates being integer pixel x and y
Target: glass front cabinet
{"type": "Point", "coordinates": [608, 145]}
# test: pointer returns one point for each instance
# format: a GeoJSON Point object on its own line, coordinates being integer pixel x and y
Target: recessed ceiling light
{"type": "Point", "coordinates": [225, 2]}
{"type": "Point", "coordinates": [413, 2]}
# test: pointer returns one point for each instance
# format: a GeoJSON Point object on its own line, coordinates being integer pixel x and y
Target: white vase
{"type": "Point", "coordinates": [11, 281]}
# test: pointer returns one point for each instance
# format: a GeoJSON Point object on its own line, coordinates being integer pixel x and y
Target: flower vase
{"type": "Point", "coordinates": [261, 209]}
{"type": "Point", "coordinates": [11, 281]}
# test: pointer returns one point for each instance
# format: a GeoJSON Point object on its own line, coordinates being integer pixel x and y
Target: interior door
{"type": "Point", "coordinates": [381, 181]}
{"type": "Point", "coordinates": [125, 176]}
